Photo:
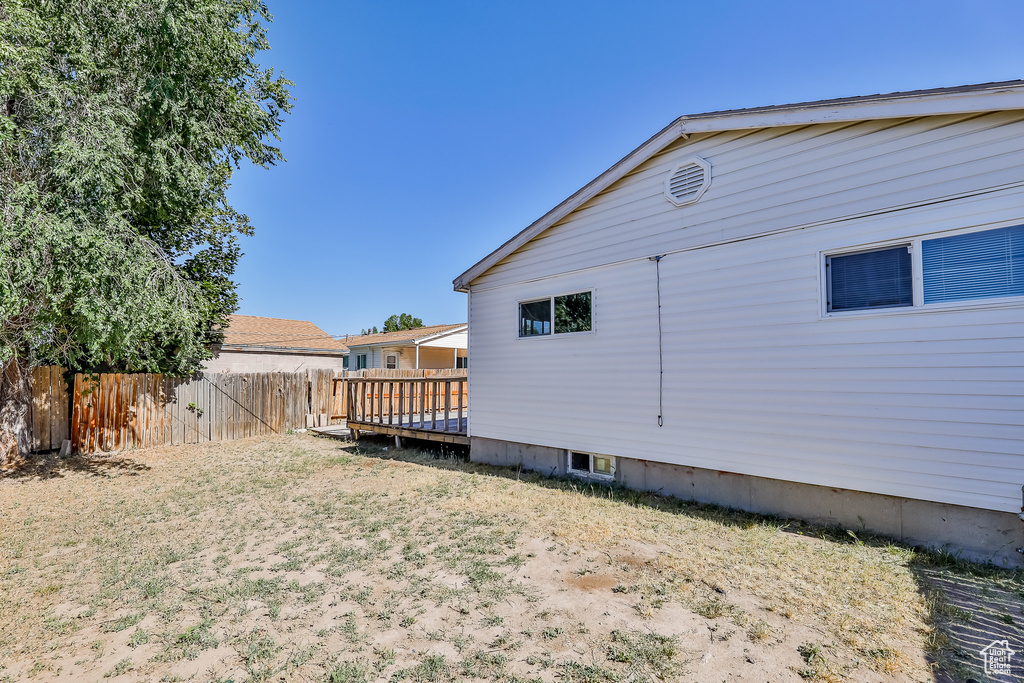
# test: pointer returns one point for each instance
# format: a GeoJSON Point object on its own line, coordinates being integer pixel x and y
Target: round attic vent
{"type": "Point", "coordinates": [688, 181]}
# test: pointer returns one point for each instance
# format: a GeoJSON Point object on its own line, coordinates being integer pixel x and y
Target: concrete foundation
{"type": "Point", "coordinates": [971, 533]}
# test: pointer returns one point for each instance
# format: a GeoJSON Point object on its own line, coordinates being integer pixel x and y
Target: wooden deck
{"type": "Point", "coordinates": [435, 409]}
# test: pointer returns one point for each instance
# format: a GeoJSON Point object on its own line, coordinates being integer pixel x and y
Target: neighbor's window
{"type": "Point", "coordinates": [570, 312]}
{"type": "Point", "coordinates": [391, 361]}
{"type": "Point", "coordinates": [462, 362]}
{"type": "Point", "coordinates": [974, 265]}
{"type": "Point", "coordinates": [344, 362]}
{"type": "Point", "coordinates": [882, 278]}
{"type": "Point", "coordinates": [361, 361]}
{"type": "Point", "coordinates": [587, 464]}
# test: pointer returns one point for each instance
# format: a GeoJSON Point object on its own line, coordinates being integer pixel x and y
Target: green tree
{"type": "Point", "coordinates": [403, 321]}
{"type": "Point", "coordinates": [121, 122]}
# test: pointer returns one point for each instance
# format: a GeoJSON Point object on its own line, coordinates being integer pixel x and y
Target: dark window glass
{"type": "Point", "coordinates": [361, 361]}
{"type": "Point", "coordinates": [870, 279]}
{"type": "Point", "coordinates": [580, 462]}
{"type": "Point", "coordinates": [975, 265]}
{"type": "Point", "coordinates": [572, 313]}
{"type": "Point", "coordinates": [535, 318]}
{"type": "Point", "coordinates": [344, 362]}
{"type": "Point", "coordinates": [462, 362]}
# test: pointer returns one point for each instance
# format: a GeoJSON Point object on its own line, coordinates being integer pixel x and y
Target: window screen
{"type": "Point", "coordinates": [535, 318]}
{"type": "Point", "coordinates": [572, 313]}
{"type": "Point", "coordinates": [870, 279]}
{"type": "Point", "coordinates": [976, 265]}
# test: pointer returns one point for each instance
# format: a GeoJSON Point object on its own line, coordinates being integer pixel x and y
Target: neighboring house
{"type": "Point", "coordinates": [816, 310]}
{"type": "Point", "coordinates": [433, 347]}
{"type": "Point", "coordinates": [254, 344]}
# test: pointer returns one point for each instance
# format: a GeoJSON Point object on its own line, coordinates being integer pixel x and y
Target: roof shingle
{"type": "Point", "coordinates": [400, 336]}
{"type": "Point", "coordinates": [251, 330]}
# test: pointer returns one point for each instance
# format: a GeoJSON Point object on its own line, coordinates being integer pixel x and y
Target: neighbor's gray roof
{"type": "Point", "coordinates": [997, 96]}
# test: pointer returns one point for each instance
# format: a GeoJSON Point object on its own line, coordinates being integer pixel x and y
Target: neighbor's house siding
{"type": "Point", "coordinates": [431, 358]}
{"type": "Point", "coordinates": [265, 361]}
{"type": "Point", "coordinates": [923, 404]}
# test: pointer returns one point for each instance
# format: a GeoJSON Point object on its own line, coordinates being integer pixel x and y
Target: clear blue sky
{"type": "Point", "coordinates": [425, 134]}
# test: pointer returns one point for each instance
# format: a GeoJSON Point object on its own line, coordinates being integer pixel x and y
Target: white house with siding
{"type": "Point", "coordinates": [824, 304]}
{"type": "Point", "coordinates": [432, 347]}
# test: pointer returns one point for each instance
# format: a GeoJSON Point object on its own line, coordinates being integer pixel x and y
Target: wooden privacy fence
{"type": "Point", "coordinates": [115, 411]}
{"type": "Point", "coordinates": [112, 411]}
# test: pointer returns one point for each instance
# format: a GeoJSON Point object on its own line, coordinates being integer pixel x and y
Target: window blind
{"type": "Point", "coordinates": [870, 279]}
{"type": "Point", "coordinates": [976, 265]}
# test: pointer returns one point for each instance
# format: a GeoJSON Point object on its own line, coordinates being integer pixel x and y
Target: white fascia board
{"type": "Point", "coordinates": [438, 335]}
{"type": "Point", "coordinates": [253, 348]}
{"type": "Point", "coordinates": [962, 100]}
{"type": "Point", "coordinates": [386, 345]}
{"type": "Point", "coordinates": [864, 109]}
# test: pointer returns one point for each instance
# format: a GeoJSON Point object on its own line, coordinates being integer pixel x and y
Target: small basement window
{"type": "Point", "coordinates": [590, 465]}
{"type": "Point", "coordinates": [569, 312]}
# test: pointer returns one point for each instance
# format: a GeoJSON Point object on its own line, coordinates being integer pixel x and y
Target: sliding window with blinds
{"type": "Point", "coordinates": [870, 279]}
{"type": "Point", "coordinates": [975, 265]}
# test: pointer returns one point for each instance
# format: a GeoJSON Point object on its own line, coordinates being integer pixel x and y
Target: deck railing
{"type": "Point", "coordinates": [436, 404]}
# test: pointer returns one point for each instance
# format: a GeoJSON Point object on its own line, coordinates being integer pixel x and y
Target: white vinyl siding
{"type": "Point", "coordinates": [923, 403]}
{"type": "Point", "coordinates": [773, 179]}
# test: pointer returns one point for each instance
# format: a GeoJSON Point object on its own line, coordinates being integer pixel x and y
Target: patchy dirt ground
{"type": "Point", "coordinates": [297, 558]}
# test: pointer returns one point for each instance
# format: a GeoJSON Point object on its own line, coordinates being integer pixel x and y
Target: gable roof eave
{"type": "Point", "coordinates": [599, 184]}
{"type": "Point", "coordinates": [439, 335]}
{"type": "Point", "coordinates": [998, 96]}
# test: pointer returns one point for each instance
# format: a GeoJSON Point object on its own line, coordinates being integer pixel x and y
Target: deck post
{"type": "Point", "coordinates": [447, 403]}
{"type": "Point", "coordinates": [458, 418]}
{"type": "Point", "coordinates": [423, 398]}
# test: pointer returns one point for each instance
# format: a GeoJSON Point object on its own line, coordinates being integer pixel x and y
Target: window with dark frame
{"type": "Point", "coordinates": [569, 312]}
{"type": "Point", "coordinates": [881, 278]}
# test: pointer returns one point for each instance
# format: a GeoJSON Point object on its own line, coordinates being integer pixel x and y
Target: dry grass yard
{"type": "Point", "coordinates": [294, 558]}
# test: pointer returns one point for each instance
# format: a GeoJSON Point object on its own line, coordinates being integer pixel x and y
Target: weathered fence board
{"type": "Point", "coordinates": [49, 418]}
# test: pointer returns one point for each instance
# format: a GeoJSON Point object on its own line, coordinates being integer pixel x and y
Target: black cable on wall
{"type": "Point", "coordinates": [661, 357]}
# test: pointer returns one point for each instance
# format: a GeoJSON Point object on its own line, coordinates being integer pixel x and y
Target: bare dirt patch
{"type": "Point", "coordinates": [295, 558]}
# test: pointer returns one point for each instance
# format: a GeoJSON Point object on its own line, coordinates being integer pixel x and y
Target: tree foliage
{"type": "Point", "coordinates": [121, 122]}
{"type": "Point", "coordinates": [402, 321]}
